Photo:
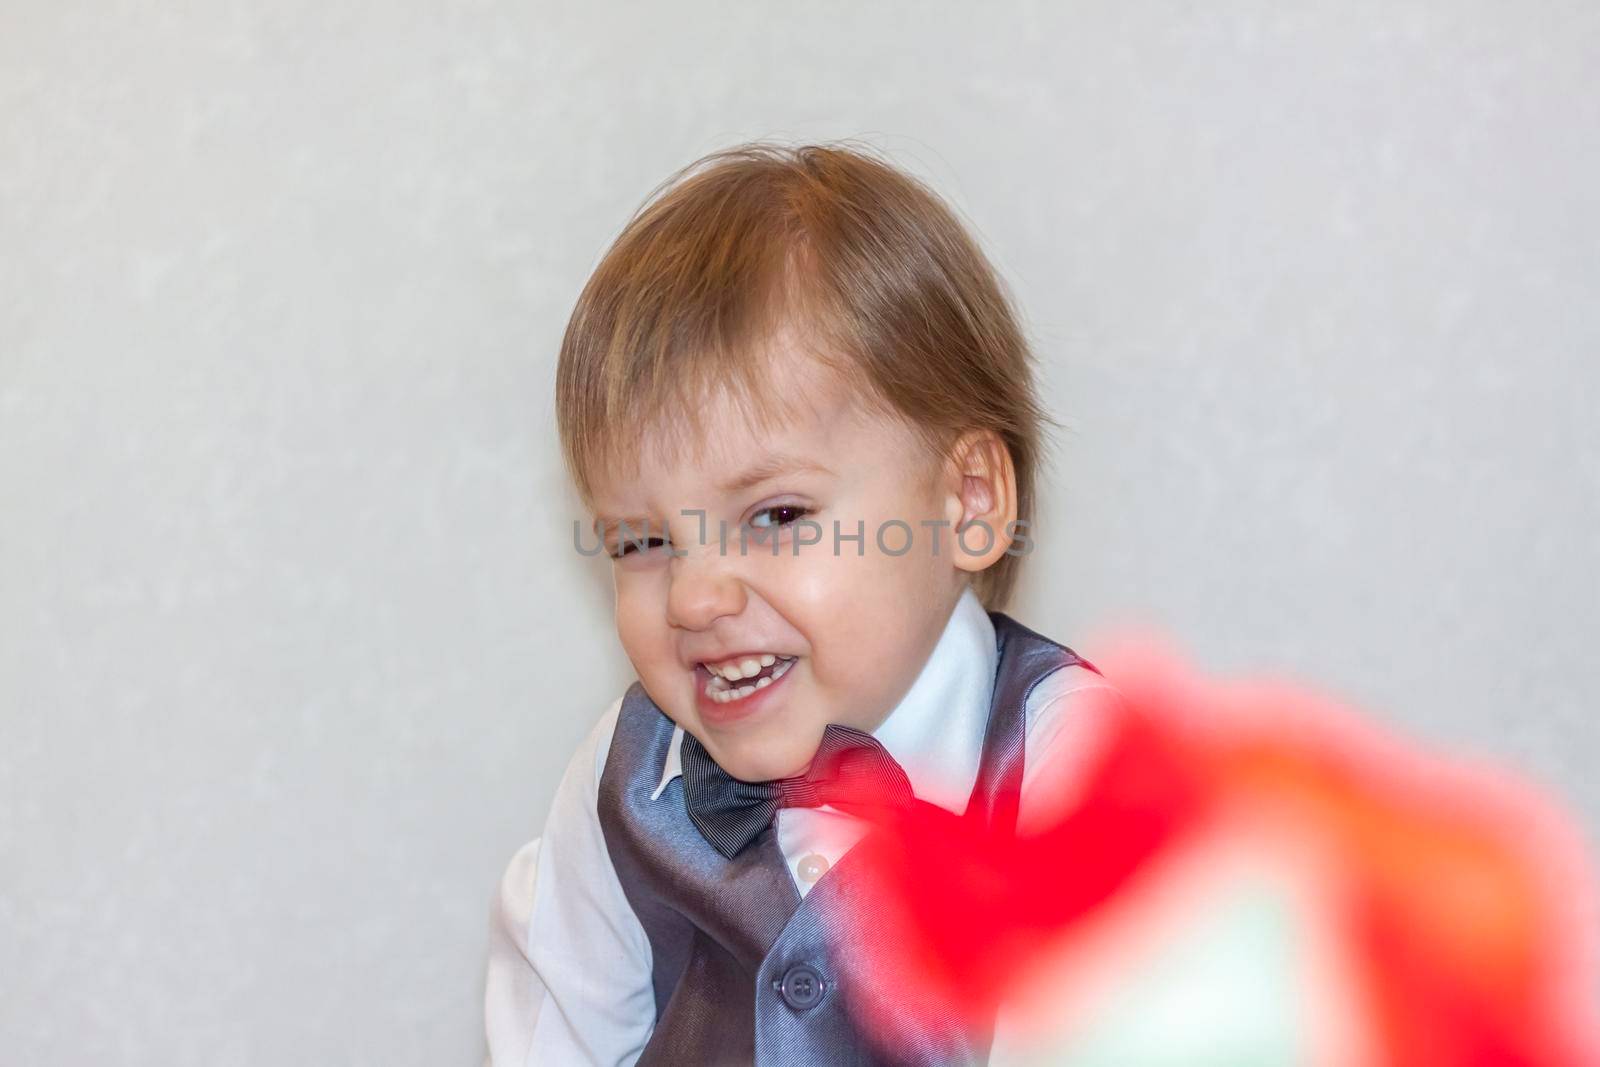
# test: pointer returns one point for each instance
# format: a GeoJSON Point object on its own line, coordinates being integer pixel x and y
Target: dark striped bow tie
{"type": "Point", "coordinates": [850, 771]}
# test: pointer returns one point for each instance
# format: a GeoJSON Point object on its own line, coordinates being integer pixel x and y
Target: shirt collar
{"type": "Point", "coordinates": [936, 731]}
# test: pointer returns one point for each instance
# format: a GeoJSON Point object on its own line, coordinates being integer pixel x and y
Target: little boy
{"type": "Point", "coordinates": [799, 407]}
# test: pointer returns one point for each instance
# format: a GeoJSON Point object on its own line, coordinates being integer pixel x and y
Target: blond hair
{"type": "Point", "coordinates": [893, 292]}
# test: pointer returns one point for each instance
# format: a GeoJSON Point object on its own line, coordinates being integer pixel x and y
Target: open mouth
{"type": "Point", "coordinates": [737, 679]}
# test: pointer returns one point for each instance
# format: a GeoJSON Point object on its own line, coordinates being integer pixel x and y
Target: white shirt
{"type": "Point", "coordinates": [569, 977]}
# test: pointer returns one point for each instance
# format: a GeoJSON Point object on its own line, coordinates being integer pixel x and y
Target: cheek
{"type": "Point", "coordinates": [856, 613]}
{"type": "Point", "coordinates": [640, 615]}
{"type": "Point", "coordinates": [836, 583]}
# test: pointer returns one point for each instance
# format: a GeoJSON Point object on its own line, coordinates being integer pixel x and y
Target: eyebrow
{"type": "Point", "coordinates": [770, 467]}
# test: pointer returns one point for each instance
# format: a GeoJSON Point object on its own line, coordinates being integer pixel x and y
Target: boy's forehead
{"type": "Point", "coordinates": [724, 435]}
{"type": "Point", "coordinates": [720, 437]}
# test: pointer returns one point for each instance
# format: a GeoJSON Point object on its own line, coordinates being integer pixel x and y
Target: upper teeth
{"type": "Point", "coordinates": [723, 685]}
{"type": "Point", "coordinates": [748, 667]}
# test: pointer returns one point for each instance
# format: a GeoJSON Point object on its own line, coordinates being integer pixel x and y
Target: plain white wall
{"type": "Point", "coordinates": [293, 643]}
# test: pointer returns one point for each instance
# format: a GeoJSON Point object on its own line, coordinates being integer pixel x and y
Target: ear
{"type": "Point", "coordinates": [980, 484]}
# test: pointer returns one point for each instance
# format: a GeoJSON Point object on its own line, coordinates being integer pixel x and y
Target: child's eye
{"type": "Point", "coordinates": [629, 547]}
{"type": "Point", "coordinates": [779, 515]}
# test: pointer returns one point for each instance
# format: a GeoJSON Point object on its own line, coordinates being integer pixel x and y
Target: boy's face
{"type": "Point", "coordinates": [842, 635]}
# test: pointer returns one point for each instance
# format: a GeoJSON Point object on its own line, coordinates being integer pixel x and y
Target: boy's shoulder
{"type": "Point", "coordinates": [1069, 716]}
{"type": "Point", "coordinates": [588, 760]}
{"type": "Point", "coordinates": [1066, 696]}
{"type": "Point", "coordinates": [1008, 626]}
{"type": "Point", "coordinates": [587, 765]}
{"type": "Point", "coordinates": [1059, 685]}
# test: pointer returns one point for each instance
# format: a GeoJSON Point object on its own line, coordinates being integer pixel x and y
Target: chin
{"type": "Point", "coordinates": [765, 765]}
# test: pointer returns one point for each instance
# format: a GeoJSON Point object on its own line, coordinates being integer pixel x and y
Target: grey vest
{"type": "Point", "coordinates": [744, 969]}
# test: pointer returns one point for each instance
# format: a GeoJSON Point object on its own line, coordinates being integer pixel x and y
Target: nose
{"type": "Point", "coordinates": [702, 592]}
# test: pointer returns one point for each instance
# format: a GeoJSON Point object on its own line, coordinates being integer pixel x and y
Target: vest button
{"type": "Point", "coordinates": [812, 867]}
{"type": "Point", "coordinates": [801, 987]}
